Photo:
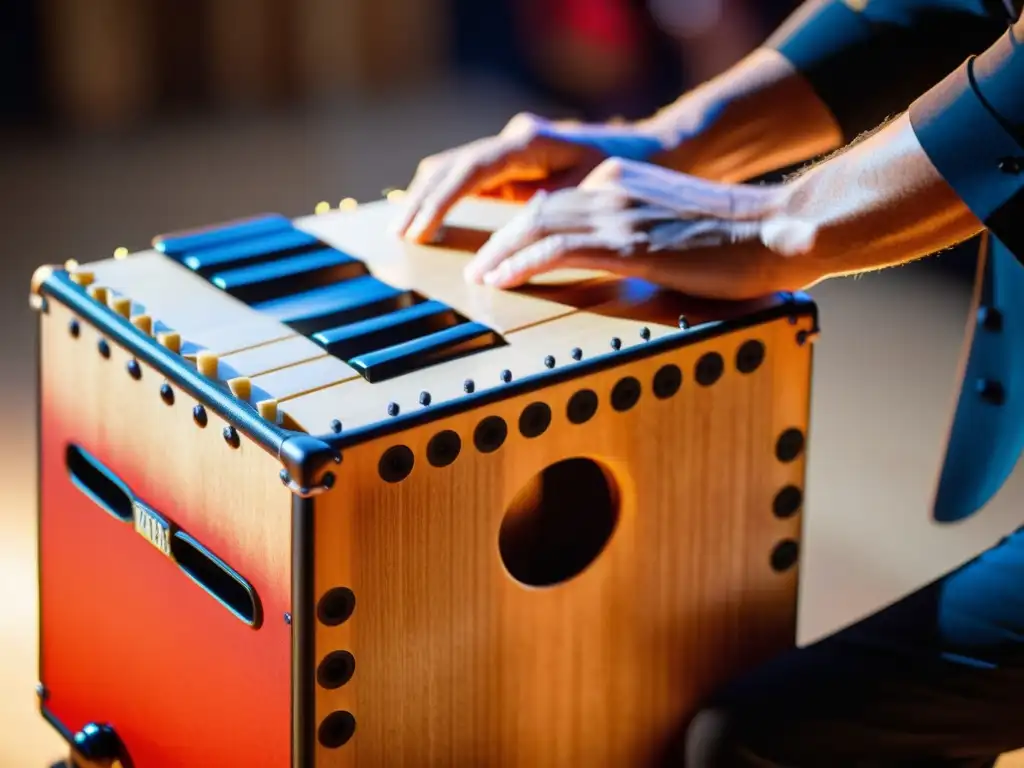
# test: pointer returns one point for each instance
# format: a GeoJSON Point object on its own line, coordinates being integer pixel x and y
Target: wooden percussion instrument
{"type": "Point", "coordinates": [310, 499]}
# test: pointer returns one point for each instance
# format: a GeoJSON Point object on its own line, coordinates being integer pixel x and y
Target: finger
{"type": "Point", "coordinates": [426, 177]}
{"type": "Point", "coordinates": [553, 251]}
{"type": "Point", "coordinates": [469, 171]}
{"type": "Point", "coordinates": [697, 233]}
{"type": "Point", "coordinates": [522, 230]}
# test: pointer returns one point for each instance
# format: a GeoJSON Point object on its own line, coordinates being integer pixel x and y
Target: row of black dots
{"type": "Point", "coordinates": [334, 608]}
{"type": "Point", "coordinates": [397, 462]}
{"type": "Point", "coordinates": [787, 502]}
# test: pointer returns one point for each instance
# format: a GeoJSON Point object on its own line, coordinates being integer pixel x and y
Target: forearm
{"type": "Point", "coordinates": [878, 204]}
{"type": "Point", "coordinates": [758, 116]}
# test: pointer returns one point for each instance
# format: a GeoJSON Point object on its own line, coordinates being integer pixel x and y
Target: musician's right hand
{"type": "Point", "coordinates": [530, 154]}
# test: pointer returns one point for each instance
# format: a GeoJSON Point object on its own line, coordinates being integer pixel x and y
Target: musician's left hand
{"type": "Point", "coordinates": [641, 220]}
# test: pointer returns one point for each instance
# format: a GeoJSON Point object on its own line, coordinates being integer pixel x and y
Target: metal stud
{"type": "Point", "coordinates": [645, 333]}
{"type": "Point", "coordinates": [134, 370]}
{"type": "Point", "coordinates": [73, 328]}
{"type": "Point", "coordinates": [684, 324]}
{"type": "Point", "coordinates": [166, 393]}
{"type": "Point", "coordinates": [393, 409]}
{"type": "Point", "coordinates": [468, 386]}
{"type": "Point", "coordinates": [577, 354]}
{"type": "Point", "coordinates": [506, 376]}
{"type": "Point", "coordinates": [103, 347]}
{"type": "Point", "coordinates": [549, 361]}
{"type": "Point", "coordinates": [335, 426]}
{"type": "Point", "coordinates": [424, 398]}
{"type": "Point", "coordinates": [231, 436]}
{"type": "Point", "coordinates": [616, 343]}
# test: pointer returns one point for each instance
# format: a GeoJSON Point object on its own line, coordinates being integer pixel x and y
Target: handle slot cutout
{"type": "Point", "coordinates": [215, 576]}
{"type": "Point", "coordinates": [99, 483]}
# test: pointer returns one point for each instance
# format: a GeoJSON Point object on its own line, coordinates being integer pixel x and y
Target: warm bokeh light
{"type": "Point", "coordinates": [321, 208]}
{"type": "Point", "coordinates": [121, 252]}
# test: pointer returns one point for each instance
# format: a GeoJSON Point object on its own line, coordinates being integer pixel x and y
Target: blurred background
{"type": "Point", "coordinates": [120, 119]}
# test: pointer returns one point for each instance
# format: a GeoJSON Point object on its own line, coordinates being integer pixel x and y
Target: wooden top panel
{"type": "Point", "coordinates": [435, 271]}
{"type": "Point", "coordinates": [180, 300]}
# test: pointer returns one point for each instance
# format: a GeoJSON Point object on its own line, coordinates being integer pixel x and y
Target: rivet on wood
{"type": "Point", "coordinates": [199, 416]}
{"type": "Point", "coordinates": [645, 333]}
{"type": "Point", "coordinates": [231, 436]}
{"type": "Point", "coordinates": [103, 347]}
{"type": "Point", "coordinates": [166, 393]}
{"type": "Point", "coordinates": [134, 370]}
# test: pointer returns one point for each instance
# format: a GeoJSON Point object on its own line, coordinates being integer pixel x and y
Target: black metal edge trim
{"type": "Point", "coordinates": [303, 641]}
{"type": "Point", "coordinates": [57, 725]}
{"type": "Point", "coordinates": [146, 349]}
{"type": "Point", "coordinates": [789, 305]}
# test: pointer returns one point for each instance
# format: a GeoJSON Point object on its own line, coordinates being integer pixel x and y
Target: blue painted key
{"type": "Point", "coordinates": [337, 304]}
{"type": "Point", "coordinates": [428, 350]}
{"type": "Point", "coordinates": [175, 244]}
{"type": "Point", "coordinates": [387, 330]}
{"type": "Point", "coordinates": [249, 251]}
{"type": "Point", "coordinates": [271, 279]}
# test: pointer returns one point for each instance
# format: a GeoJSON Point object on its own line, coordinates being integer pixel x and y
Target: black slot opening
{"type": "Point", "coordinates": [98, 483]}
{"type": "Point", "coordinates": [216, 577]}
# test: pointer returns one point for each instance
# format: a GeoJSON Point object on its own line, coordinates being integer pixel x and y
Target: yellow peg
{"type": "Point", "coordinates": [99, 293]}
{"type": "Point", "coordinates": [240, 387]}
{"type": "Point", "coordinates": [171, 340]}
{"type": "Point", "coordinates": [122, 305]}
{"type": "Point", "coordinates": [268, 410]}
{"type": "Point", "coordinates": [207, 364]}
{"type": "Point", "coordinates": [144, 323]}
{"type": "Point", "coordinates": [84, 279]}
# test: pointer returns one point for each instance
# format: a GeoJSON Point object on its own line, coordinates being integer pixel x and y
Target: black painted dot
{"type": "Point", "coordinates": [393, 409]}
{"type": "Point", "coordinates": [749, 356]}
{"type": "Point", "coordinates": [336, 606]}
{"type": "Point", "coordinates": [490, 434]}
{"type": "Point", "coordinates": [73, 328]}
{"type": "Point", "coordinates": [134, 370]}
{"type": "Point", "coordinates": [443, 448]}
{"type": "Point", "coordinates": [616, 343]}
{"type": "Point", "coordinates": [787, 502]}
{"type": "Point", "coordinates": [535, 419]}
{"type": "Point", "coordinates": [801, 338]}
{"type": "Point", "coordinates": [683, 322]}
{"type": "Point", "coordinates": [166, 393]}
{"type": "Point", "coordinates": [468, 386]}
{"type": "Point", "coordinates": [645, 333]}
{"type": "Point", "coordinates": [103, 347]}
{"type": "Point", "coordinates": [231, 436]}
{"type": "Point", "coordinates": [199, 415]}
{"type": "Point", "coordinates": [789, 445]}
{"type": "Point", "coordinates": [625, 393]}
{"type": "Point", "coordinates": [667, 381]}
{"type": "Point", "coordinates": [577, 354]}
{"type": "Point", "coordinates": [549, 361]}
{"type": "Point", "coordinates": [709, 369]}
{"type": "Point", "coordinates": [582, 406]}
{"type": "Point", "coordinates": [335, 669]}
{"type": "Point", "coordinates": [506, 376]}
{"type": "Point", "coordinates": [424, 398]}
{"type": "Point", "coordinates": [336, 729]}
{"type": "Point", "coordinates": [785, 555]}
{"type": "Point", "coordinates": [395, 464]}
{"type": "Point", "coordinates": [989, 318]}
{"type": "Point", "coordinates": [287, 618]}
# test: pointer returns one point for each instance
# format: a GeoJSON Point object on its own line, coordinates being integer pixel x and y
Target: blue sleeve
{"type": "Point", "coordinates": [868, 59]}
{"type": "Point", "coordinates": [971, 125]}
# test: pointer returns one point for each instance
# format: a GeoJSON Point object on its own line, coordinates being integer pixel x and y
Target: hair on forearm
{"type": "Point", "coordinates": [859, 139]}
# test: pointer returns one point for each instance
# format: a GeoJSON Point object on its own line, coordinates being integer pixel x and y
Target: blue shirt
{"type": "Point", "coordinates": [957, 68]}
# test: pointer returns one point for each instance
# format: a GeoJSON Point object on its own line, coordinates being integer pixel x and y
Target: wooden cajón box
{"type": "Point", "coordinates": [310, 499]}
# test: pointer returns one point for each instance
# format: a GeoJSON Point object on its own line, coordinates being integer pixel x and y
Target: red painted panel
{"type": "Point", "coordinates": [129, 639]}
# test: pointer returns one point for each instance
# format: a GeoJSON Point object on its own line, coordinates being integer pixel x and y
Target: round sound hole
{"type": "Point", "coordinates": [336, 669]}
{"type": "Point", "coordinates": [336, 606]}
{"type": "Point", "coordinates": [559, 523]}
{"type": "Point", "coordinates": [443, 448]}
{"type": "Point", "coordinates": [336, 729]}
{"type": "Point", "coordinates": [534, 420]}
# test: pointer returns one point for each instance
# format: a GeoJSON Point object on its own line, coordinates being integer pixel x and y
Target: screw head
{"type": "Point", "coordinates": [468, 386]}
{"type": "Point", "coordinates": [231, 436]}
{"type": "Point", "coordinates": [166, 393]}
{"type": "Point", "coordinates": [506, 376]}
{"type": "Point", "coordinates": [549, 361]}
{"type": "Point", "coordinates": [287, 618]}
{"type": "Point", "coordinates": [393, 409]}
{"type": "Point", "coordinates": [424, 398]}
{"type": "Point", "coordinates": [577, 354]}
{"type": "Point", "coordinates": [616, 343]}
{"type": "Point", "coordinates": [335, 426]}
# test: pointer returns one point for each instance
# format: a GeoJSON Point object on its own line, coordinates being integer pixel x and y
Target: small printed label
{"type": "Point", "coordinates": [150, 526]}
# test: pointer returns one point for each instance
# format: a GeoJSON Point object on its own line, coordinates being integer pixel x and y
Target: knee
{"type": "Point", "coordinates": [716, 738]}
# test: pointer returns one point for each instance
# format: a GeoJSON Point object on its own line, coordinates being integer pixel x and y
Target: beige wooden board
{"type": "Point", "coordinates": [177, 298]}
{"type": "Point", "coordinates": [435, 272]}
{"type": "Point", "coordinates": [459, 664]}
{"type": "Point", "coordinates": [303, 377]}
{"type": "Point", "coordinates": [358, 403]}
{"type": "Point", "coordinates": [269, 357]}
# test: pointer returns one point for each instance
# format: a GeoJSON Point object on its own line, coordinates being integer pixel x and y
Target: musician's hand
{"type": "Point", "coordinates": [640, 220]}
{"type": "Point", "coordinates": [530, 154]}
